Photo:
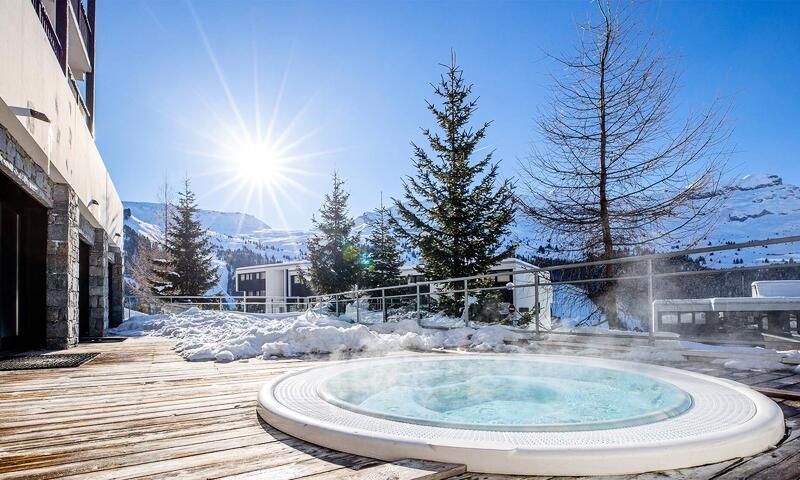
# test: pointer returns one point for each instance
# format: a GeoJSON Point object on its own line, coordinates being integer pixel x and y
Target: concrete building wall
{"type": "Point", "coordinates": [55, 161]}
{"type": "Point", "coordinates": [65, 149]}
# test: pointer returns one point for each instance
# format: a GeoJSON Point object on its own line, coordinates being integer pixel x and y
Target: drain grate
{"type": "Point", "coordinates": [57, 360]}
{"type": "Point", "coordinates": [102, 339]}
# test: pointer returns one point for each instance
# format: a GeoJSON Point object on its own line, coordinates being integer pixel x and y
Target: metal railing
{"type": "Point", "coordinates": [462, 299]}
{"type": "Point", "coordinates": [83, 22]}
{"type": "Point", "coordinates": [47, 25]}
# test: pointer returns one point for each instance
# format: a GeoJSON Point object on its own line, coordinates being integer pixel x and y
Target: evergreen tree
{"type": "Point", "coordinates": [333, 251]}
{"type": "Point", "coordinates": [457, 211]}
{"type": "Point", "coordinates": [384, 253]}
{"type": "Point", "coordinates": [188, 268]}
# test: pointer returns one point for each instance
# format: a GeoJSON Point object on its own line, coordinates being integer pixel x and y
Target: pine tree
{"type": "Point", "coordinates": [457, 211]}
{"type": "Point", "coordinates": [188, 268]}
{"type": "Point", "coordinates": [333, 251]}
{"type": "Point", "coordinates": [383, 251]}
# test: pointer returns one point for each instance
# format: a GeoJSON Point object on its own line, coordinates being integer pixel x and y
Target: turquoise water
{"type": "Point", "coordinates": [505, 394]}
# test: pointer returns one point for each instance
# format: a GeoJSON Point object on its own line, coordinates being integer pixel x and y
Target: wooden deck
{"type": "Point", "coordinates": [139, 411]}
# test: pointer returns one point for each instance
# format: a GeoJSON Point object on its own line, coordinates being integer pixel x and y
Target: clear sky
{"type": "Point", "coordinates": [187, 88]}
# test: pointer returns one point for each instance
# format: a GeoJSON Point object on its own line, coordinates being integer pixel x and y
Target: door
{"type": "Point", "coordinates": [9, 271]}
{"type": "Point", "coordinates": [83, 291]}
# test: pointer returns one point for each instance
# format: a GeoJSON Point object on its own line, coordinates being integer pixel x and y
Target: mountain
{"type": "Point", "coordinates": [227, 223]}
{"type": "Point", "coordinates": [757, 207]}
{"type": "Point", "coordinates": [239, 239]}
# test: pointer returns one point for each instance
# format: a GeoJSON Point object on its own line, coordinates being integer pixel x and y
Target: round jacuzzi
{"type": "Point", "coordinates": [523, 414]}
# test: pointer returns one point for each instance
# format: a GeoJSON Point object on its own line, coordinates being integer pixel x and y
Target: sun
{"type": "Point", "coordinates": [259, 163]}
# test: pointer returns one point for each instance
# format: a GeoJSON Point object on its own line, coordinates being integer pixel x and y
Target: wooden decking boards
{"type": "Point", "coordinates": [140, 411]}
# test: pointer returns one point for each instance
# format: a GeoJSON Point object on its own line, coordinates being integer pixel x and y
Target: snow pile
{"type": "Point", "coordinates": [756, 364]}
{"type": "Point", "coordinates": [228, 336]}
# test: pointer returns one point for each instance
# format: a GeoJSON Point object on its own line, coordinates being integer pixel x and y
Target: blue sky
{"type": "Point", "coordinates": [343, 85]}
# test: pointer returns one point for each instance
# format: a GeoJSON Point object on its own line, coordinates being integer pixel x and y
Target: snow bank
{"type": "Point", "coordinates": [754, 364]}
{"type": "Point", "coordinates": [229, 336]}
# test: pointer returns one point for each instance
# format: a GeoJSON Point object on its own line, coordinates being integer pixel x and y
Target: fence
{"type": "Point", "coordinates": [643, 290]}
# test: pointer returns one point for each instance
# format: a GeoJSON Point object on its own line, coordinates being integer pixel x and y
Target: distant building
{"type": "Point", "coordinates": [273, 283]}
{"type": "Point", "coordinates": [61, 265]}
{"type": "Point", "coordinates": [522, 296]}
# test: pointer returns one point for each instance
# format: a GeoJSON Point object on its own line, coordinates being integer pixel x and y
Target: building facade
{"type": "Point", "coordinates": [524, 292]}
{"type": "Point", "coordinates": [275, 284]}
{"type": "Point", "coordinates": [61, 262]}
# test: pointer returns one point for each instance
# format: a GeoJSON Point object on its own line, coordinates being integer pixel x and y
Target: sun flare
{"type": "Point", "coordinates": [258, 163]}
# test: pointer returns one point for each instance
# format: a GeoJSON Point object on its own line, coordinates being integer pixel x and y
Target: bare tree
{"type": "Point", "coordinates": [140, 270]}
{"type": "Point", "coordinates": [165, 201]}
{"type": "Point", "coordinates": [617, 169]}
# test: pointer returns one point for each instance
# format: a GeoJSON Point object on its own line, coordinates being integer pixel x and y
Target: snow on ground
{"type": "Point", "coordinates": [228, 336]}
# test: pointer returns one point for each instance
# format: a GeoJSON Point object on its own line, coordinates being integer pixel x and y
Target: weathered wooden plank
{"type": "Point", "coordinates": [778, 393]}
{"type": "Point", "coordinates": [139, 410]}
{"type": "Point", "coordinates": [303, 463]}
{"type": "Point", "coordinates": [36, 459]}
{"type": "Point", "coordinates": [128, 429]}
{"type": "Point", "coordinates": [402, 470]}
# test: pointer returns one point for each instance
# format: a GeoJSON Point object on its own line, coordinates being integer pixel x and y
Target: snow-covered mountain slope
{"type": "Point", "coordinates": [227, 223]}
{"type": "Point", "coordinates": [758, 206]}
{"type": "Point", "coordinates": [226, 230]}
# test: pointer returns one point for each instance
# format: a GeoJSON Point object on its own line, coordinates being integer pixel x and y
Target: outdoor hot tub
{"type": "Point", "coordinates": [523, 414]}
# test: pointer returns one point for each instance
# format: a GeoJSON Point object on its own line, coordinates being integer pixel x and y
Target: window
{"type": "Point", "coordinates": [669, 319]}
{"type": "Point", "coordinates": [700, 318]}
{"type": "Point", "coordinates": [503, 278]}
{"type": "Point", "coordinates": [686, 318]}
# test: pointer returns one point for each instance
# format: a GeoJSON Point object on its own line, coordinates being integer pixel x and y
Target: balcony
{"type": "Point", "coordinates": [70, 31]}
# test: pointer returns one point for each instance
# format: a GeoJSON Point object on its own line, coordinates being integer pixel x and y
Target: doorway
{"type": "Point", "coordinates": [23, 267]}
{"type": "Point", "coordinates": [84, 311]}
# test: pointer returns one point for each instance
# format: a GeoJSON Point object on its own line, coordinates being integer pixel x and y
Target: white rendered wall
{"type": "Point", "coordinates": [32, 78]}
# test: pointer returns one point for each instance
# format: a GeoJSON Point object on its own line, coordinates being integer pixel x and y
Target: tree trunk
{"type": "Point", "coordinates": [609, 300]}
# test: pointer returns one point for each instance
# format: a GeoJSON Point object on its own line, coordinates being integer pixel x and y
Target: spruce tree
{"type": "Point", "coordinates": [333, 250]}
{"type": "Point", "coordinates": [384, 253]}
{"type": "Point", "coordinates": [456, 210]}
{"type": "Point", "coordinates": [188, 268]}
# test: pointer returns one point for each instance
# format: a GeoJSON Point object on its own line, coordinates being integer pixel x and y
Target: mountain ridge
{"type": "Point", "coordinates": [758, 206]}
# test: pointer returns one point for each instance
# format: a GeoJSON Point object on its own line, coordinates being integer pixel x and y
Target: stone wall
{"type": "Point", "coordinates": [116, 288]}
{"type": "Point", "coordinates": [65, 228]}
{"type": "Point", "coordinates": [15, 163]}
{"type": "Point", "coordinates": [63, 254]}
{"type": "Point", "coordinates": [98, 284]}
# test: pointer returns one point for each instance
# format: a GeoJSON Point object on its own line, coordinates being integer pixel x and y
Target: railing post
{"type": "Point", "coordinates": [358, 307]}
{"type": "Point", "coordinates": [336, 302]}
{"type": "Point", "coordinates": [536, 307]}
{"type": "Point", "coordinates": [383, 304]}
{"type": "Point", "coordinates": [244, 307]}
{"type": "Point", "coordinates": [419, 307]}
{"type": "Point", "coordinates": [650, 301]}
{"type": "Point", "coordinates": [466, 304]}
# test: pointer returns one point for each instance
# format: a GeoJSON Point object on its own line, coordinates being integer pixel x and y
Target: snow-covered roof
{"type": "Point", "coordinates": [505, 264]}
{"type": "Point", "coordinates": [294, 265]}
